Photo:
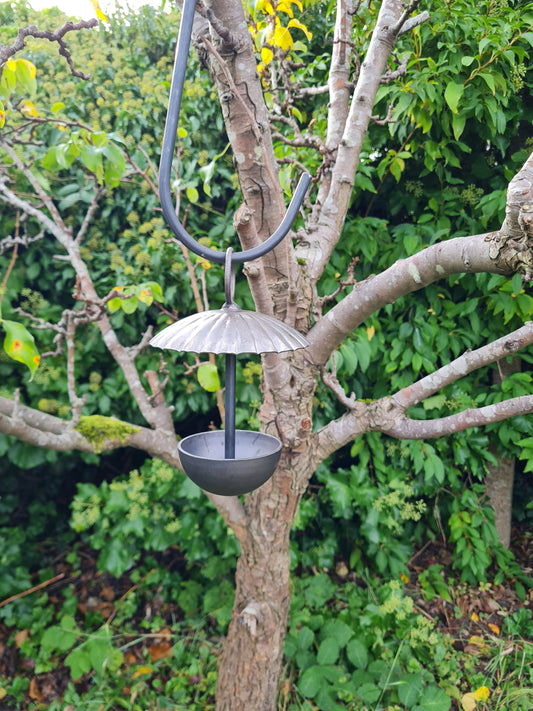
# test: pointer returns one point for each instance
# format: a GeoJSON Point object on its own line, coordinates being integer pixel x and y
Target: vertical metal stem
{"type": "Point", "coordinates": [229, 404]}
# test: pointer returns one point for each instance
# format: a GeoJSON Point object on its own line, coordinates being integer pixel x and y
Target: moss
{"type": "Point", "coordinates": [97, 429]}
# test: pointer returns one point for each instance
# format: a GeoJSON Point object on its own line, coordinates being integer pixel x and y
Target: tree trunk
{"type": "Point", "coordinates": [499, 488]}
{"type": "Point", "coordinates": [253, 650]}
{"type": "Point", "coordinates": [500, 477]}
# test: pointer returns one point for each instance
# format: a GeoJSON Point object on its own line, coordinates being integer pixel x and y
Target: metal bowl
{"type": "Point", "coordinates": [256, 458]}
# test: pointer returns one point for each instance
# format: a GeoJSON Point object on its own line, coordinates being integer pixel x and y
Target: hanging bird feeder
{"type": "Point", "coordinates": [227, 462]}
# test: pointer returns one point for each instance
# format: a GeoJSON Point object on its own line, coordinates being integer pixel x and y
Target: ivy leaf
{"type": "Point", "coordinates": [19, 344]}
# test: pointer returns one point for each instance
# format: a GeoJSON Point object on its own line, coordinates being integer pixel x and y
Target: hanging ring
{"type": "Point", "coordinates": [229, 278]}
{"type": "Point", "coordinates": [167, 153]}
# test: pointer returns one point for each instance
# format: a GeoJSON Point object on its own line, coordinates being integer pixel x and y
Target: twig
{"type": "Point", "coordinates": [32, 590]}
{"type": "Point", "coordinates": [331, 382]}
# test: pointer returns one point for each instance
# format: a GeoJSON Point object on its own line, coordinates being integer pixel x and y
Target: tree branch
{"type": "Point", "coordinates": [157, 416]}
{"type": "Point", "coordinates": [462, 254]}
{"type": "Point", "coordinates": [7, 51]}
{"type": "Point", "coordinates": [43, 430]}
{"type": "Point", "coordinates": [508, 251]}
{"type": "Point", "coordinates": [466, 363]}
{"type": "Point", "coordinates": [406, 428]}
{"type": "Point", "coordinates": [331, 208]}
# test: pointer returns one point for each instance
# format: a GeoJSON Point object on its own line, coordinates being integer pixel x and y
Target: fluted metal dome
{"type": "Point", "coordinates": [230, 330]}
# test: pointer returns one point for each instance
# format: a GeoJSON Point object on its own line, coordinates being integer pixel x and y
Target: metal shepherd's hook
{"type": "Point", "coordinates": [167, 153]}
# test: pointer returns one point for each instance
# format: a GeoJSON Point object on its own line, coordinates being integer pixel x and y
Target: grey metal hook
{"type": "Point", "coordinates": [167, 152]}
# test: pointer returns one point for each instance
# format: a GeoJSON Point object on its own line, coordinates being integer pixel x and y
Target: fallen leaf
{"type": "Point", "coordinates": [468, 702]}
{"type": "Point", "coordinates": [34, 691]}
{"type": "Point", "coordinates": [160, 651]}
{"type": "Point", "coordinates": [474, 617]}
{"type": "Point", "coordinates": [21, 637]}
{"type": "Point", "coordinates": [142, 670]}
{"type": "Point", "coordinates": [108, 593]}
{"type": "Point", "coordinates": [3, 693]}
{"type": "Point", "coordinates": [494, 628]}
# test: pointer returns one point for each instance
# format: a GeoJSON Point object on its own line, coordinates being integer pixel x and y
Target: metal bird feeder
{"type": "Point", "coordinates": [232, 461]}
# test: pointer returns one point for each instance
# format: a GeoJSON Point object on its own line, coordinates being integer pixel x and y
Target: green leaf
{"type": "Point", "coordinates": [458, 124]}
{"type": "Point", "coordinates": [452, 95]}
{"type": "Point", "coordinates": [114, 166]}
{"type": "Point", "coordinates": [310, 682]}
{"type": "Point", "coordinates": [434, 699]}
{"type": "Point", "coordinates": [114, 304]}
{"type": "Point", "coordinates": [339, 630]}
{"type": "Point", "coordinates": [156, 290]}
{"type": "Point", "coordinates": [489, 80]}
{"type": "Point", "coordinates": [130, 304]}
{"type": "Point", "coordinates": [208, 377]}
{"type": "Point", "coordinates": [434, 403]}
{"type": "Point", "coordinates": [117, 557]}
{"type": "Point", "coordinates": [328, 651]}
{"type": "Point", "coordinates": [192, 195]}
{"type": "Point", "coordinates": [60, 637]}
{"type": "Point", "coordinates": [357, 654]}
{"type": "Point", "coordinates": [91, 158]}
{"type": "Point", "coordinates": [79, 663]}
{"type": "Point", "coordinates": [19, 344]}
{"type": "Point", "coordinates": [305, 638]}
{"type": "Point", "coordinates": [409, 689]}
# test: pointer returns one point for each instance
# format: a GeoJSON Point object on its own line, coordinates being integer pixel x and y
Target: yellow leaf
{"type": "Point", "coordinates": [468, 702]}
{"type": "Point", "coordinates": [474, 617]}
{"type": "Point", "coordinates": [282, 38]}
{"type": "Point", "coordinates": [142, 670]}
{"type": "Point", "coordinates": [30, 65]}
{"type": "Point", "coordinates": [28, 107]}
{"type": "Point", "coordinates": [3, 693]}
{"type": "Point", "coordinates": [482, 694]}
{"type": "Point", "coordinates": [99, 14]}
{"type": "Point", "coordinates": [494, 629]}
{"type": "Point", "coordinates": [301, 26]}
{"type": "Point", "coordinates": [267, 8]}
{"type": "Point", "coordinates": [2, 118]}
{"type": "Point", "coordinates": [370, 331]}
{"type": "Point", "coordinates": [285, 6]}
{"type": "Point", "coordinates": [266, 55]}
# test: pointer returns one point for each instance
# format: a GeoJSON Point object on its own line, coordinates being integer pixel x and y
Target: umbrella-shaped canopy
{"type": "Point", "coordinates": [230, 330]}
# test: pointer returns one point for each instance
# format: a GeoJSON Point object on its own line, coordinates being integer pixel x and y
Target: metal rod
{"type": "Point", "coordinates": [229, 404]}
{"type": "Point", "coordinates": [167, 152]}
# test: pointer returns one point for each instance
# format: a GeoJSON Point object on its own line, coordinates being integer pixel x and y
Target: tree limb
{"type": "Point", "coordinates": [466, 363]}
{"type": "Point", "coordinates": [406, 428]}
{"type": "Point", "coordinates": [7, 51]}
{"type": "Point", "coordinates": [459, 255]}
